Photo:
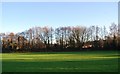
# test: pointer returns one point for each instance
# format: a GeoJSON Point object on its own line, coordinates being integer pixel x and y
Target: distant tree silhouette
{"type": "Point", "coordinates": [69, 38]}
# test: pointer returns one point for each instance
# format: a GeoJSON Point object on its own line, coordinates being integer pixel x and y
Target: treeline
{"type": "Point", "coordinates": [62, 39]}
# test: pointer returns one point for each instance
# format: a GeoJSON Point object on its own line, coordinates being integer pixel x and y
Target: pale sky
{"type": "Point", "coordinates": [20, 16]}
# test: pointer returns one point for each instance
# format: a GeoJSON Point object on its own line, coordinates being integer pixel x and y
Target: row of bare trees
{"type": "Point", "coordinates": [62, 38]}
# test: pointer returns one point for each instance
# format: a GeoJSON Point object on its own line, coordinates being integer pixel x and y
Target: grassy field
{"type": "Point", "coordinates": [84, 61]}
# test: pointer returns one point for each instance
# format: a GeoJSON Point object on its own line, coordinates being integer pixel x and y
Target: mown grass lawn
{"type": "Point", "coordinates": [84, 61]}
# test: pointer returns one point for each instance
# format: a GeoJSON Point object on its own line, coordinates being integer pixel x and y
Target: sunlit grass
{"type": "Point", "coordinates": [55, 57]}
{"type": "Point", "coordinates": [61, 61]}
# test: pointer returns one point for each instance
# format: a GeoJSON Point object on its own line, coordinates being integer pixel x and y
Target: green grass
{"type": "Point", "coordinates": [84, 61]}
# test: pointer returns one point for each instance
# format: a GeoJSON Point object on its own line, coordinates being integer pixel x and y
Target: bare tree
{"type": "Point", "coordinates": [77, 34]}
{"type": "Point", "coordinates": [114, 34]}
{"type": "Point", "coordinates": [113, 29]}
